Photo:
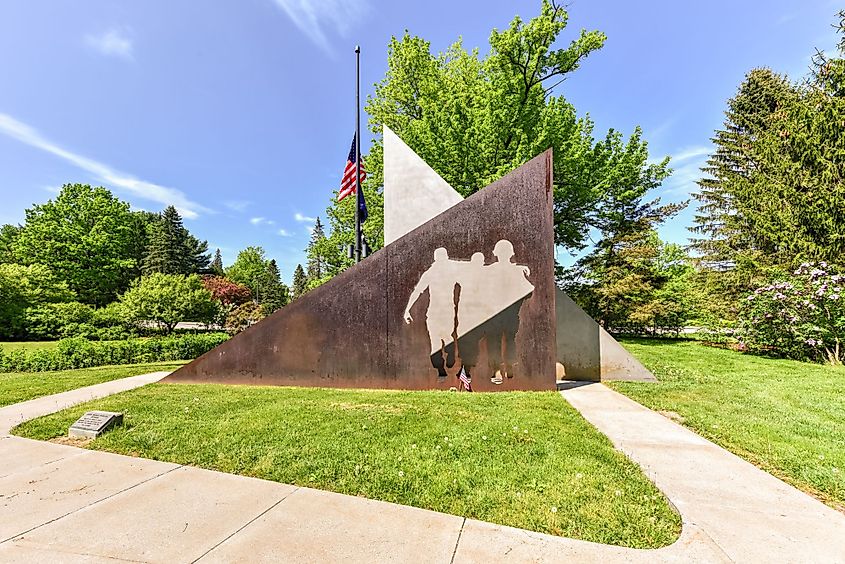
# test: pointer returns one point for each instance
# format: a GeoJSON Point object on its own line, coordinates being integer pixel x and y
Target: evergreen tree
{"type": "Point", "coordinates": [774, 196]}
{"type": "Point", "coordinates": [617, 283]}
{"type": "Point", "coordinates": [731, 253]}
{"type": "Point", "coordinates": [217, 264]}
{"type": "Point", "coordinates": [730, 186]}
{"type": "Point", "coordinates": [141, 229]}
{"type": "Point", "coordinates": [171, 249]}
{"type": "Point", "coordinates": [275, 293]}
{"type": "Point", "coordinates": [316, 262]}
{"type": "Point", "coordinates": [197, 257]}
{"type": "Point", "coordinates": [299, 284]}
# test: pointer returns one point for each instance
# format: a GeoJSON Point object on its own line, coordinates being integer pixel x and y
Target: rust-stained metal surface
{"type": "Point", "coordinates": [351, 332]}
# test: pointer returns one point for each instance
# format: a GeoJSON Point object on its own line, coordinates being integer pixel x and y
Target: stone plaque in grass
{"type": "Point", "coordinates": [94, 423]}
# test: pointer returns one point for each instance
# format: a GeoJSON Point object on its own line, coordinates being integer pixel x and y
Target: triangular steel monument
{"type": "Point", "coordinates": [463, 287]}
{"type": "Point", "coordinates": [585, 351]}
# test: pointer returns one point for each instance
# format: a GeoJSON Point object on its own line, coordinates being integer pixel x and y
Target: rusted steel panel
{"type": "Point", "coordinates": [352, 332]}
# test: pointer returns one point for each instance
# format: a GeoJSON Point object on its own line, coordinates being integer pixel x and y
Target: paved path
{"type": "Point", "coordinates": [63, 504]}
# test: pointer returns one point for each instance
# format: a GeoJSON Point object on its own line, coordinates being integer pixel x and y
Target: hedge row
{"type": "Point", "coordinates": [78, 352]}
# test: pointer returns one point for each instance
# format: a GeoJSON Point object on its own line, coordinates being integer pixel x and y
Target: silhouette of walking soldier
{"type": "Point", "coordinates": [440, 282]}
{"type": "Point", "coordinates": [469, 301]}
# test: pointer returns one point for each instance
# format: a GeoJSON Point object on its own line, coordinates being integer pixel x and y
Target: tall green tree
{"type": "Point", "coordinates": [299, 284]}
{"type": "Point", "coordinates": [171, 249]}
{"type": "Point", "coordinates": [316, 266]}
{"type": "Point", "coordinates": [24, 287]}
{"type": "Point", "coordinates": [217, 264]}
{"type": "Point", "coordinates": [618, 281]}
{"type": "Point", "coordinates": [141, 227]}
{"type": "Point", "coordinates": [197, 257]}
{"type": "Point", "coordinates": [475, 118]}
{"type": "Point", "coordinates": [249, 269]}
{"type": "Point", "coordinates": [84, 236]}
{"type": "Point", "coordinates": [773, 194]}
{"type": "Point", "coordinates": [8, 236]}
{"type": "Point", "coordinates": [275, 294]}
{"type": "Point", "coordinates": [167, 247]}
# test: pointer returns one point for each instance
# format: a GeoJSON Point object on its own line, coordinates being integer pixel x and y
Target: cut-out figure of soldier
{"type": "Point", "coordinates": [440, 280]}
{"type": "Point", "coordinates": [511, 289]}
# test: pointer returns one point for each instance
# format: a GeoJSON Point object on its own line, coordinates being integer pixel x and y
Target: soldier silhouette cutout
{"type": "Point", "coordinates": [470, 301]}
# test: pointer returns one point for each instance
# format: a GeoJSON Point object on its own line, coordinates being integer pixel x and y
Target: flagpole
{"type": "Point", "coordinates": [357, 153]}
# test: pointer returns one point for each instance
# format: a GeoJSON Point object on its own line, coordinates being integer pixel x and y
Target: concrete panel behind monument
{"type": "Point", "coordinates": [352, 331]}
{"type": "Point", "coordinates": [584, 349]}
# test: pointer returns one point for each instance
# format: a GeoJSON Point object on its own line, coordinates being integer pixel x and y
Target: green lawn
{"type": "Point", "coordinates": [27, 345]}
{"type": "Point", "coordinates": [21, 386]}
{"type": "Point", "coordinates": [521, 459]}
{"type": "Point", "coordinates": [786, 417]}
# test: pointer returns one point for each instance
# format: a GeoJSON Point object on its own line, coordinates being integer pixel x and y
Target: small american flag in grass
{"type": "Point", "coordinates": [466, 383]}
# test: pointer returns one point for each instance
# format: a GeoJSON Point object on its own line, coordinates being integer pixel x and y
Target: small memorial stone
{"type": "Point", "coordinates": [94, 423]}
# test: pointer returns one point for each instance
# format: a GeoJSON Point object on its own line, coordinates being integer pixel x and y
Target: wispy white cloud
{"type": "Point", "coordinates": [691, 153]}
{"type": "Point", "coordinates": [237, 205]}
{"type": "Point", "coordinates": [315, 18]}
{"type": "Point", "coordinates": [686, 164]}
{"type": "Point", "coordinates": [261, 221]}
{"type": "Point", "coordinates": [112, 43]}
{"type": "Point", "coordinates": [52, 189]}
{"type": "Point", "coordinates": [285, 233]}
{"type": "Point", "coordinates": [15, 129]}
{"type": "Point", "coordinates": [304, 218]}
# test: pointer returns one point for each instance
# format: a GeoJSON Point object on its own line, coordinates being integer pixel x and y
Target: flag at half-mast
{"type": "Point", "coordinates": [347, 183]}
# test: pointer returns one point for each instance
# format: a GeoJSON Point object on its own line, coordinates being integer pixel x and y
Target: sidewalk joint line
{"type": "Point", "coordinates": [457, 542]}
{"type": "Point", "coordinates": [245, 525]}
{"type": "Point", "coordinates": [90, 504]}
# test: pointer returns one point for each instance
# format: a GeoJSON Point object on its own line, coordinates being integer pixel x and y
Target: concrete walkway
{"type": "Point", "coordinates": [63, 504]}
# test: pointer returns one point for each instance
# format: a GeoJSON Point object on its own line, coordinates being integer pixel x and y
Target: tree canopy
{"type": "Point", "coordinates": [475, 118]}
{"type": "Point", "coordinates": [84, 236]}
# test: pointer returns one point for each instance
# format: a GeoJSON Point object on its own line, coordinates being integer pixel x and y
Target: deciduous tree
{"type": "Point", "coordinates": [167, 299]}
{"type": "Point", "coordinates": [475, 118]}
{"type": "Point", "coordinates": [84, 237]}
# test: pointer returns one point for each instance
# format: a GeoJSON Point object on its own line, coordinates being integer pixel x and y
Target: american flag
{"type": "Point", "coordinates": [347, 183]}
{"type": "Point", "coordinates": [466, 383]}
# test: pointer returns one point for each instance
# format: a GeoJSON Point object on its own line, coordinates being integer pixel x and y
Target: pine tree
{"type": "Point", "coordinates": [299, 284]}
{"type": "Point", "coordinates": [165, 249]}
{"type": "Point", "coordinates": [171, 249]}
{"type": "Point", "coordinates": [316, 263]}
{"type": "Point", "coordinates": [274, 292]}
{"type": "Point", "coordinates": [728, 238]}
{"type": "Point", "coordinates": [217, 264]}
{"type": "Point", "coordinates": [617, 282]}
{"type": "Point", "coordinates": [197, 258]}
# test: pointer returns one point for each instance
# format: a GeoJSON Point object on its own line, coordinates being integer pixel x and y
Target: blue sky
{"type": "Point", "coordinates": [241, 113]}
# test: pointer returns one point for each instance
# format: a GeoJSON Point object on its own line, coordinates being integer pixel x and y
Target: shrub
{"type": "Point", "coordinates": [225, 291]}
{"type": "Point", "coordinates": [78, 352]}
{"type": "Point", "coordinates": [801, 316]}
{"type": "Point", "coordinates": [167, 299]}
{"type": "Point", "coordinates": [57, 320]}
{"type": "Point", "coordinates": [243, 316]}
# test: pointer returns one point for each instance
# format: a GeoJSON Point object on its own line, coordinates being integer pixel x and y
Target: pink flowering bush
{"type": "Point", "coordinates": [801, 316]}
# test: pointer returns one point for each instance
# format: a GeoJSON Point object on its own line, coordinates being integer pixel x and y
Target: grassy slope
{"type": "Point", "coordinates": [786, 417]}
{"type": "Point", "coordinates": [521, 459]}
{"type": "Point", "coordinates": [21, 386]}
